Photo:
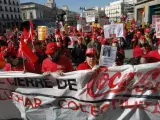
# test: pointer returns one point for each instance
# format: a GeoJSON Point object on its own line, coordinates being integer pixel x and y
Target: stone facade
{"type": "Point", "coordinates": [9, 14]}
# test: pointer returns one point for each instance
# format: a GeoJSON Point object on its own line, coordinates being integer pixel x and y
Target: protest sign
{"type": "Point", "coordinates": [155, 18]}
{"type": "Point", "coordinates": [42, 32]}
{"type": "Point", "coordinates": [107, 55]}
{"type": "Point", "coordinates": [86, 29]}
{"type": "Point", "coordinates": [158, 29]}
{"type": "Point", "coordinates": [90, 19]}
{"type": "Point", "coordinates": [121, 93]}
{"type": "Point", "coordinates": [113, 30]}
{"type": "Point", "coordinates": [128, 25]}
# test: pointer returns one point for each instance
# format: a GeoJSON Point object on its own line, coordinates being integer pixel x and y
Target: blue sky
{"type": "Point", "coordinates": [75, 4]}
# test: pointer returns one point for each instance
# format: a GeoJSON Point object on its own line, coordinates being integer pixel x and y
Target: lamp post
{"type": "Point", "coordinates": [82, 9]}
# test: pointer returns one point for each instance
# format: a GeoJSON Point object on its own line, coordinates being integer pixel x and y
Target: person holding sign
{"type": "Point", "coordinates": [56, 62]}
{"type": "Point", "coordinates": [95, 44]}
{"type": "Point", "coordinates": [120, 53]}
{"type": "Point", "coordinates": [91, 60]}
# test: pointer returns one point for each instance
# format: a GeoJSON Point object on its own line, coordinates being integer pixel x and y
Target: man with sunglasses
{"type": "Point", "coordinates": [91, 60]}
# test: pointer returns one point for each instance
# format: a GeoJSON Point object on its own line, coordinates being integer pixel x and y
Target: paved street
{"type": "Point", "coordinates": [129, 53]}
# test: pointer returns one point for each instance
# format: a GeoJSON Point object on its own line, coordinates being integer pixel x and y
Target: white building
{"type": "Point", "coordinates": [45, 15]}
{"type": "Point", "coordinates": [146, 9]}
{"type": "Point", "coordinates": [114, 10]}
{"type": "Point", "coordinates": [9, 14]}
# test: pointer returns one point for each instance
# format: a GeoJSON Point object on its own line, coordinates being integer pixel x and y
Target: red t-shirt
{"type": "Point", "coordinates": [63, 64]}
{"type": "Point", "coordinates": [84, 66]}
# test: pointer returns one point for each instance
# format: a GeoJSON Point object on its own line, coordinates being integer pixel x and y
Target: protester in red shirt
{"type": "Point", "coordinates": [55, 61]}
{"type": "Point", "coordinates": [91, 60]}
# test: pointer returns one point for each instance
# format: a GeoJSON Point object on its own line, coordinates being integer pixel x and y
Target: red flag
{"type": "Point", "coordinates": [25, 33]}
{"type": "Point", "coordinates": [31, 31]}
{"type": "Point", "coordinates": [27, 52]}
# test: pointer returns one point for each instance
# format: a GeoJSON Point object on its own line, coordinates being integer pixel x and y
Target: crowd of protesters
{"type": "Point", "coordinates": [55, 55]}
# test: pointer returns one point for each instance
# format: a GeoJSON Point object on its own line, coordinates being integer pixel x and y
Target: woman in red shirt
{"type": "Point", "coordinates": [91, 60]}
{"type": "Point", "coordinates": [56, 62]}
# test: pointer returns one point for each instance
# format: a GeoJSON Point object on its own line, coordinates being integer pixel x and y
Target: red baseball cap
{"type": "Point", "coordinates": [91, 51]}
{"type": "Point", "coordinates": [51, 48]}
{"type": "Point", "coordinates": [147, 30]}
{"type": "Point", "coordinates": [114, 41]}
{"type": "Point", "coordinates": [94, 36]}
{"type": "Point", "coordinates": [138, 33]}
{"type": "Point", "coordinates": [142, 37]}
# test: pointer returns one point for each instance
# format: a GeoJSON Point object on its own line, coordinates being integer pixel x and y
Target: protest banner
{"type": "Point", "coordinates": [42, 32]}
{"type": "Point", "coordinates": [107, 55]}
{"type": "Point", "coordinates": [86, 29]}
{"type": "Point", "coordinates": [155, 18]}
{"type": "Point", "coordinates": [158, 29]}
{"type": "Point", "coordinates": [90, 19]}
{"type": "Point", "coordinates": [121, 93]}
{"type": "Point", "coordinates": [113, 30]}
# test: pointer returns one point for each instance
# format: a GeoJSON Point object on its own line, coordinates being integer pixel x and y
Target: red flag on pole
{"type": "Point", "coordinates": [31, 31]}
{"type": "Point", "coordinates": [25, 33]}
{"type": "Point", "coordinates": [28, 52]}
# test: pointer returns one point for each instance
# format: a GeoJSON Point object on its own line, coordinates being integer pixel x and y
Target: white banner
{"type": "Point", "coordinates": [90, 18]}
{"type": "Point", "coordinates": [158, 29]}
{"type": "Point", "coordinates": [121, 93]}
{"type": "Point", "coordinates": [108, 55]}
{"type": "Point", "coordinates": [86, 29]}
{"type": "Point", "coordinates": [113, 30]}
{"type": "Point", "coordinates": [155, 18]}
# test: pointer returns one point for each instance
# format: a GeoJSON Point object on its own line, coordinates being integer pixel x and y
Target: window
{"type": "Point", "coordinates": [12, 17]}
{"type": "Point", "coordinates": [24, 16]}
{"type": "Point", "coordinates": [7, 16]}
{"type": "Point", "coordinates": [5, 2]}
{"type": "Point", "coordinates": [17, 4]}
{"type": "Point", "coordinates": [31, 15]}
{"type": "Point", "coordinates": [9, 2]}
{"type": "Point", "coordinates": [6, 8]}
{"type": "Point", "coordinates": [18, 10]}
{"type": "Point", "coordinates": [1, 9]}
{"type": "Point", "coordinates": [0, 1]}
{"type": "Point", "coordinates": [13, 3]}
{"type": "Point", "coordinates": [2, 16]}
{"type": "Point", "coordinates": [15, 16]}
{"type": "Point", "coordinates": [14, 9]}
{"type": "Point", "coordinates": [11, 9]}
{"type": "Point", "coordinates": [19, 17]}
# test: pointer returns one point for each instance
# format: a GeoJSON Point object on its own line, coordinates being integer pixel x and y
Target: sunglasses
{"type": "Point", "coordinates": [91, 56]}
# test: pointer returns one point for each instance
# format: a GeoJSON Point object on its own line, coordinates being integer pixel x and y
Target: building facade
{"type": "Point", "coordinates": [35, 11]}
{"type": "Point", "coordinates": [9, 14]}
{"type": "Point", "coordinates": [145, 9]}
{"type": "Point", "coordinates": [114, 10]}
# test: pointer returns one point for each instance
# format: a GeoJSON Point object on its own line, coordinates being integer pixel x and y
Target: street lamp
{"type": "Point", "coordinates": [82, 9]}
